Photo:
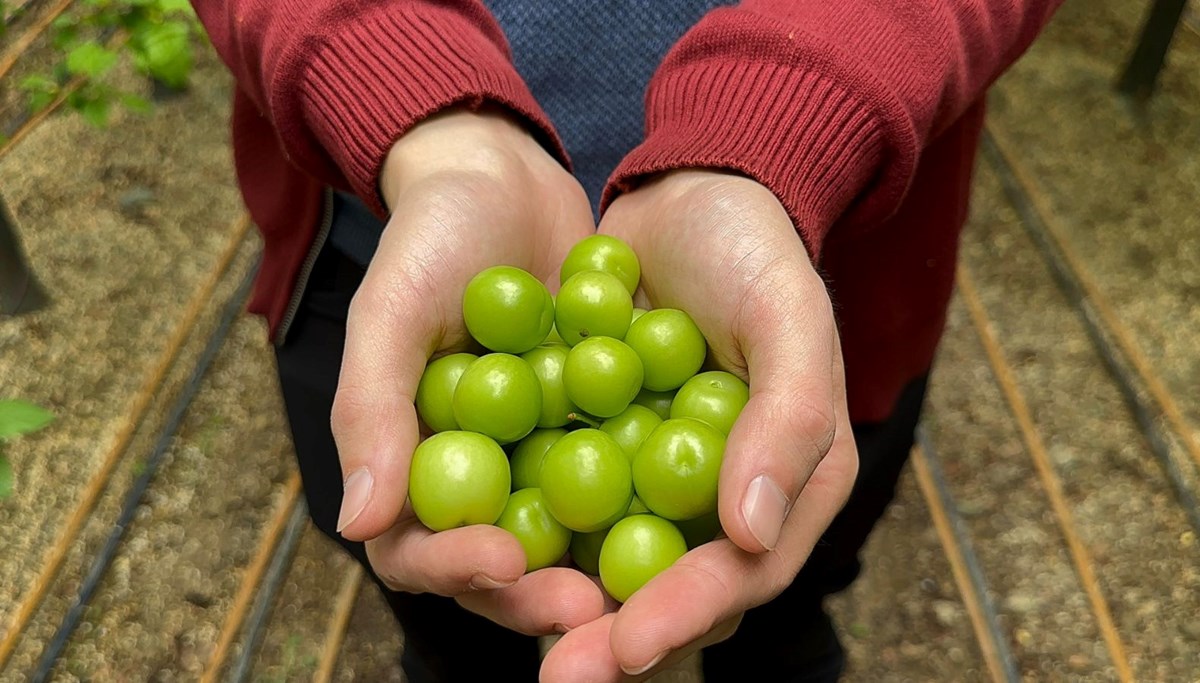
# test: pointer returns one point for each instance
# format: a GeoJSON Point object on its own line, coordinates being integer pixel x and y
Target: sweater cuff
{"type": "Point", "coordinates": [809, 141]}
{"type": "Point", "coordinates": [366, 85]}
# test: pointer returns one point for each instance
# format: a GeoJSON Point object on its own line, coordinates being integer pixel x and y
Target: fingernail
{"type": "Point", "coordinates": [643, 669]}
{"type": "Point", "coordinates": [561, 628]}
{"type": "Point", "coordinates": [764, 508]}
{"type": "Point", "coordinates": [485, 582]}
{"type": "Point", "coordinates": [355, 493]}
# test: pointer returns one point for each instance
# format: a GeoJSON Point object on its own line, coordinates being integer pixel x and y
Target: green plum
{"type": "Point", "coordinates": [592, 304]}
{"type": "Point", "coordinates": [677, 469]}
{"type": "Point", "coordinates": [499, 395]}
{"type": "Point", "coordinates": [547, 362]}
{"type": "Point", "coordinates": [585, 547]}
{"type": "Point", "coordinates": [456, 479]}
{"type": "Point", "coordinates": [526, 460]}
{"type": "Point", "coordinates": [507, 310]}
{"type": "Point", "coordinates": [637, 507]}
{"type": "Point", "coordinates": [636, 550]}
{"type": "Point", "coordinates": [602, 375]}
{"type": "Point", "coordinates": [658, 401]}
{"type": "Point", "coordinates": [700, 530]}
{"type": "Point", "coordinates": [586, 480]}
{"type": "Point", "coordinates": [631, 427]}
{"type": "Point", "coordinates": [715, 397]}
{"type": "Point", "coordinates": [542, 538]}
{"type": "Point", "coordinates": [585, 550]}
{"type": "Point", "coordinates": [670, 345]}
{"type": "Point", "coordinates": [604, 253]}
{"type": "Point", "coordinates": [435, 392]}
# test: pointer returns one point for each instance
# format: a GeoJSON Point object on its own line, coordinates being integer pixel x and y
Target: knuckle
{"type": "Point", "coordinates": [384, 569]}
{"type": "Point", "coordinates": [712, 582]}
{"type": "Point", "coordinates": [353, 407]}
{"type": "Point", "coordinates": [816, 423]}
{"type": "Point", "coordinates": [725, 630]}
{"type": "Point", "coordinates": [385, 297]}
{"type": "Point", "coordinates": [781, 569]}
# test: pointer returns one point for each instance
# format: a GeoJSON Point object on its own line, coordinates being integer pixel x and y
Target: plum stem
{"type": "Point", "coordinates": [580, 417]}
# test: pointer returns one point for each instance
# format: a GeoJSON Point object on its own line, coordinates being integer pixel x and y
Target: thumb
{"type": "Point", "coordinates": [789, 422]}
{"type": "Point", "coordinates": [374, 420]}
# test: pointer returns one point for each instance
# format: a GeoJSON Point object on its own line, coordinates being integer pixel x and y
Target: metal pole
{"type": "Point", "coordinates": [19, 289]}
{"type": "Point", "coordinates": [1145, 64]}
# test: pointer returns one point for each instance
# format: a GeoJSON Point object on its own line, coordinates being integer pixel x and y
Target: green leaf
{"type": "Point", "coordinates": [165, 52]}
{"type": "Point", "coordinates": [66, 32]}
{"type": "Point", "coordinates": [38, 82]}
{"type": "Point", "coordinates": [90, 59]}
{"type": "Point", "coordinates": [42, 90]}
{"type": "Point", "coordinates": [137, 22]}
{"type": "Point", "coordinates": [6, 478]}
{"type": "Point", "coordinates": [39, 101]}
{"type": "Point", "coordinates": [76, 100]}
{"type": "Point", "coordinates": [18, 416]}
{"type": "Point", "coordinates": [96, 111]}
{"type": "Point", "coordinates": [177, 6]}
{"type": "Point", "coordinates": [136, 103]}
{"type": "Point", "coordinates": [106, 19]}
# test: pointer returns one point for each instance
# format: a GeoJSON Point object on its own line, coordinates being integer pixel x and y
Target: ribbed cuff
{"type": "Point", "coordinates": [810, 142]}
{"type": "Point", "coordinates": [368, 84]}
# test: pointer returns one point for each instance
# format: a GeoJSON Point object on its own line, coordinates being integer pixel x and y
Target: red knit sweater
{"type": "Point", "coordinates": [862, 116]}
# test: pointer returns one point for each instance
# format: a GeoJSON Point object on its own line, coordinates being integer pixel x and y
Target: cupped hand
{"type": "Point", "coordinates": [466, 190]}
{"type": "Point", "coordinates": [722, 248]}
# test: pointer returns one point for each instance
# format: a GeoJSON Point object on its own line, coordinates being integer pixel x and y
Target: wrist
{"type": "Point", "coordinates": [685, 181]}
{"type": "Point", "coordinates": [705, 189]}
{"type": "Point", "coordinates": [704, 199]}
{"type": "Point", "coordinates": [489, 141]}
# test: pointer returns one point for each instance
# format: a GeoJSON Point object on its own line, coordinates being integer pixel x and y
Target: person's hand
{"type": "Point", "coordinates": [466, 191]}
{"type": "Point", "coordinates": [722, 248]}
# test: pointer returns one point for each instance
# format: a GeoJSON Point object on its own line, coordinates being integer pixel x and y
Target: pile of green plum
{"type": "Point", "coordinates": [589, 429]}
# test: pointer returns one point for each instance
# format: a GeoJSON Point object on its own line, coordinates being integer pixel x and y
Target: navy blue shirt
{"type": "Point", "coordinates": [587, 64]}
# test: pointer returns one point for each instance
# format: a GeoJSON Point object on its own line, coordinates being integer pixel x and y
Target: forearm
{"type": "Point", "coordinates": [828, 104]}
{"type": "Point", "coordinates": [341, 81]}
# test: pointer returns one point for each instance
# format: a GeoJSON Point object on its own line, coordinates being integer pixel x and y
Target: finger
{"type": "Point", "coordinates": [551, 600]}
{"type": "Point", "coordinates": [388, 340]}
{"type": "Point", "coordinates": [722, 632]}
{"type": "Point", "coordinates": [583, 655]}
{"type": "Point", "coordinates": [719, 580]}
{"type": "Point", "coordinates": [787, 426]}
{"type": "Point", "coordinates": [640, 299]}
{"type": "Point", "coordinates": [408, 557]}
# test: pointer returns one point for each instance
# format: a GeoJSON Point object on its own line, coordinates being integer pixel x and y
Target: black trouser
{"type": "Point", "coordinates": [789, 638]}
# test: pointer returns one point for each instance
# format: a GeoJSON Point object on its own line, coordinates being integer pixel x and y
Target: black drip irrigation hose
{"type": "Point", "coordinates": [967, 552]}
{"type": "Point", "coordinates": [265, 600]}
{"type": "Point", "coordinates": [133, 498]}
{"type": "Point", "coordinates": [1114, 359]}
